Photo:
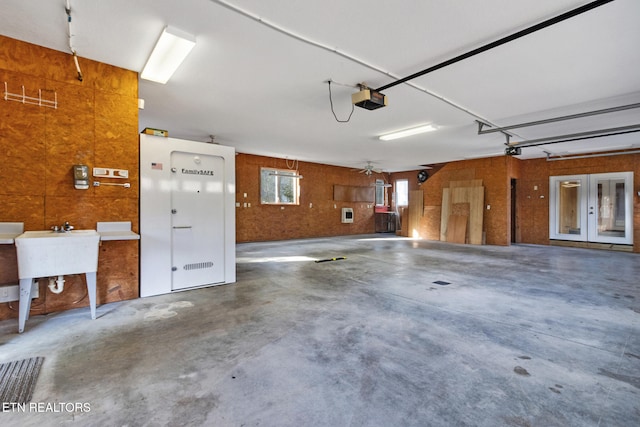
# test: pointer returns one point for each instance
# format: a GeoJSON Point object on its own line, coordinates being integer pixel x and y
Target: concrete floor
{"type": "Point", "coordinates": [522, 336]}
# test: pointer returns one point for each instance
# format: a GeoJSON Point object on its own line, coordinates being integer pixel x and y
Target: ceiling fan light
{"type": "Point", "coordinates": [172, 48]}
{"type": "Point", "coordinates": [407, 132]}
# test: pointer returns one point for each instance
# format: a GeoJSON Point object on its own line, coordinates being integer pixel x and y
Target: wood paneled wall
{"type": "Point", "coordinates": [317, 215]}
{"type": "Point", "coordinates": [96, 123]}
{"type": "Point", "coordinates": [533, 204]}
{"type": "Point", "coordinates": [532, 193]}
{"type": "Point", "coordinates": [494, 174]}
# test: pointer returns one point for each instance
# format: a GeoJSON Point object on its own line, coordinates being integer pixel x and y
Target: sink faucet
{"type": "Point", "coordinates": [62, 228]}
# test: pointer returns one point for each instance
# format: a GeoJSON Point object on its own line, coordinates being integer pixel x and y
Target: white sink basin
{"type": "Point", "coordinates": [49, 253]}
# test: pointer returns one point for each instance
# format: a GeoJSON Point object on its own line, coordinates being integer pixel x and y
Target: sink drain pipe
{"type": "Point", "coordinates": [56, 285]}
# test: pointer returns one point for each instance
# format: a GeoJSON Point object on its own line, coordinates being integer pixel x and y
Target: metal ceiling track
{"type": "Point", "coordinates": [345, 55]}
{"type": "Point", "coordinates": [552, 21]}
{"type": "Point", "coordinates": [482, 131]}
{"type": "Point", "coordinates": [556, 157]}
{"type": "Point", "coordinates": [517, 35]}
{"type": "Point", "coordinates": [577, 136]}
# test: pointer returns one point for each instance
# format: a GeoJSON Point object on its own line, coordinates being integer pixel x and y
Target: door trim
{"type": "Point", "coordinates": [587, 200]}
{"type": "Point", "coordinates": [579, 233]}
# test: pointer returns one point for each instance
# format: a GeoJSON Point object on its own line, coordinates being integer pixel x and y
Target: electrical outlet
{"type": "Point", "coordinates": [9, 293]}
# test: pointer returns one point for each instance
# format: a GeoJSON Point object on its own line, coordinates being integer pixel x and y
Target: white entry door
{"type": "Point", "coordinates": [197, 220]}
{"type": "Point", "coordinates": [592, 208]}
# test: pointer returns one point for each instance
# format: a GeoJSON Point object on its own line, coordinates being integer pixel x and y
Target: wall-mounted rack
{"type": "Point", "coordinates": [98, 184]}
{"type": "Point", "coordinates": [30, 99]}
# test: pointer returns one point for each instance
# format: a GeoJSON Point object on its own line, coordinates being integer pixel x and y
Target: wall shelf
{"type": "Point", "coordinates": [120, 230]}
{"type": "Point", "coordinates": [9, 231]}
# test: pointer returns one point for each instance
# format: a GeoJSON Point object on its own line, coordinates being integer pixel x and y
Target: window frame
{"type": "Point", "coordinates": [405, 182]}
{"type": "Point", "coordinates": [290, 174]}
{"type": "Point", "coordinates": [381, 196]}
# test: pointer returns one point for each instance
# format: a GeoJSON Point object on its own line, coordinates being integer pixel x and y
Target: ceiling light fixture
{"type": "Point", "coordinates": [172, 48]}
{"type": "Point", "coordinates": [407, 132]}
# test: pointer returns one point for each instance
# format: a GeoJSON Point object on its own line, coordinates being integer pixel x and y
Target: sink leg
{"type": "Point", "coordinates": [91, 289]}
{"type": "Point", "coordinates": [25, 302]}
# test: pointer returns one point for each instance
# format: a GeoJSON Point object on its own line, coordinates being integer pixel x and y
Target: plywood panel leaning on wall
{"type": "Point", "coordinates": [467, 183]}
{"type": "Point", "coordinates": [459, 193]}
{"type": "Point", "coordinates": [444, 214]}
{"type": "Point", "coordinates": [457, 228]}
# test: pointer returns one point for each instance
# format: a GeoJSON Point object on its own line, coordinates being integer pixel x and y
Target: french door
{"type": "Point", "coordinates": [592, 208]}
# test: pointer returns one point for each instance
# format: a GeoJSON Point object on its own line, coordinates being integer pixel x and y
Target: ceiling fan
{"type": "Point", "coordinates": [369, 169]}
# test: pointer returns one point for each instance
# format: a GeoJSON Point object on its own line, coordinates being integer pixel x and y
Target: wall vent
{"type": "Point", "coordinates": [198, 265]}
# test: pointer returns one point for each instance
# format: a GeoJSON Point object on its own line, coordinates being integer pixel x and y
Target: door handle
{"type": "Point", "coordinates": [179, 227]}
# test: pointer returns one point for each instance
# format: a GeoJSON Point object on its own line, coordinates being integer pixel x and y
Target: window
{"type": "Point", "coordinates": [402, 192]}
{"type": "Point", "coordinates": [279, 186]}
{"type": "Point", "coordinates": [380, 192]}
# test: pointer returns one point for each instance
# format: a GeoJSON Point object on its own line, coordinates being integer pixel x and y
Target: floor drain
{"type": "Point", "coordinates": [441, 283]}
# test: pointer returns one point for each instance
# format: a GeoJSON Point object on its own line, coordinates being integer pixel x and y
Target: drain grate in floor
{"type": "Point", "coordinates": [441, 283]}
{"type": "Point", "coordinates": [18, 380]}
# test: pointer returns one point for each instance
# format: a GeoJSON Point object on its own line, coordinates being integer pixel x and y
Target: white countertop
{"type": "Point", "coordinates": [9, 231]}
{"type": "Point", "coordinates": [118, 235]}
{"type": "Point", "coordinates": [8, 238]}
{"type": "Point", "coordinates": [120, 230]}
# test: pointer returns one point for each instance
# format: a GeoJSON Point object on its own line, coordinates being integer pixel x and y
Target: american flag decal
{"type": "Point", "coordinates": [157, 166]}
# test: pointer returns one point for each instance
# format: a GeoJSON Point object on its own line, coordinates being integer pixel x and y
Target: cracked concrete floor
{"type": "Point", "coordinates": [400, 333]}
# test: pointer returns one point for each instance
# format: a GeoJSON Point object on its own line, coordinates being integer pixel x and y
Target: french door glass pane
{"type": "Point", "coordinates": [569, 207]}
{"type": "Point", "coordinates": [611, 208]}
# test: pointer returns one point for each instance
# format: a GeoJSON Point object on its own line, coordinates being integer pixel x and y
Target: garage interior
{"type": "Point", "coordinates": [401, 332]}
{"type": "Point", "coordinates": [460, 276]}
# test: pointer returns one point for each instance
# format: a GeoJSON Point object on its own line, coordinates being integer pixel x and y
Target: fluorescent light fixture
{"type": "Point", "coordinates": [407, 132]}
{"type": "Point", "coordinates": [172, 48]}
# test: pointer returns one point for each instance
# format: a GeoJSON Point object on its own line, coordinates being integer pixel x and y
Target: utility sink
{"type": "Point", "coordinates": [51, 253]}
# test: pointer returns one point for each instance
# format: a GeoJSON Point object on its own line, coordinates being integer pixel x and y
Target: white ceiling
{"type": "Point", "coordinates": [265, 92]}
